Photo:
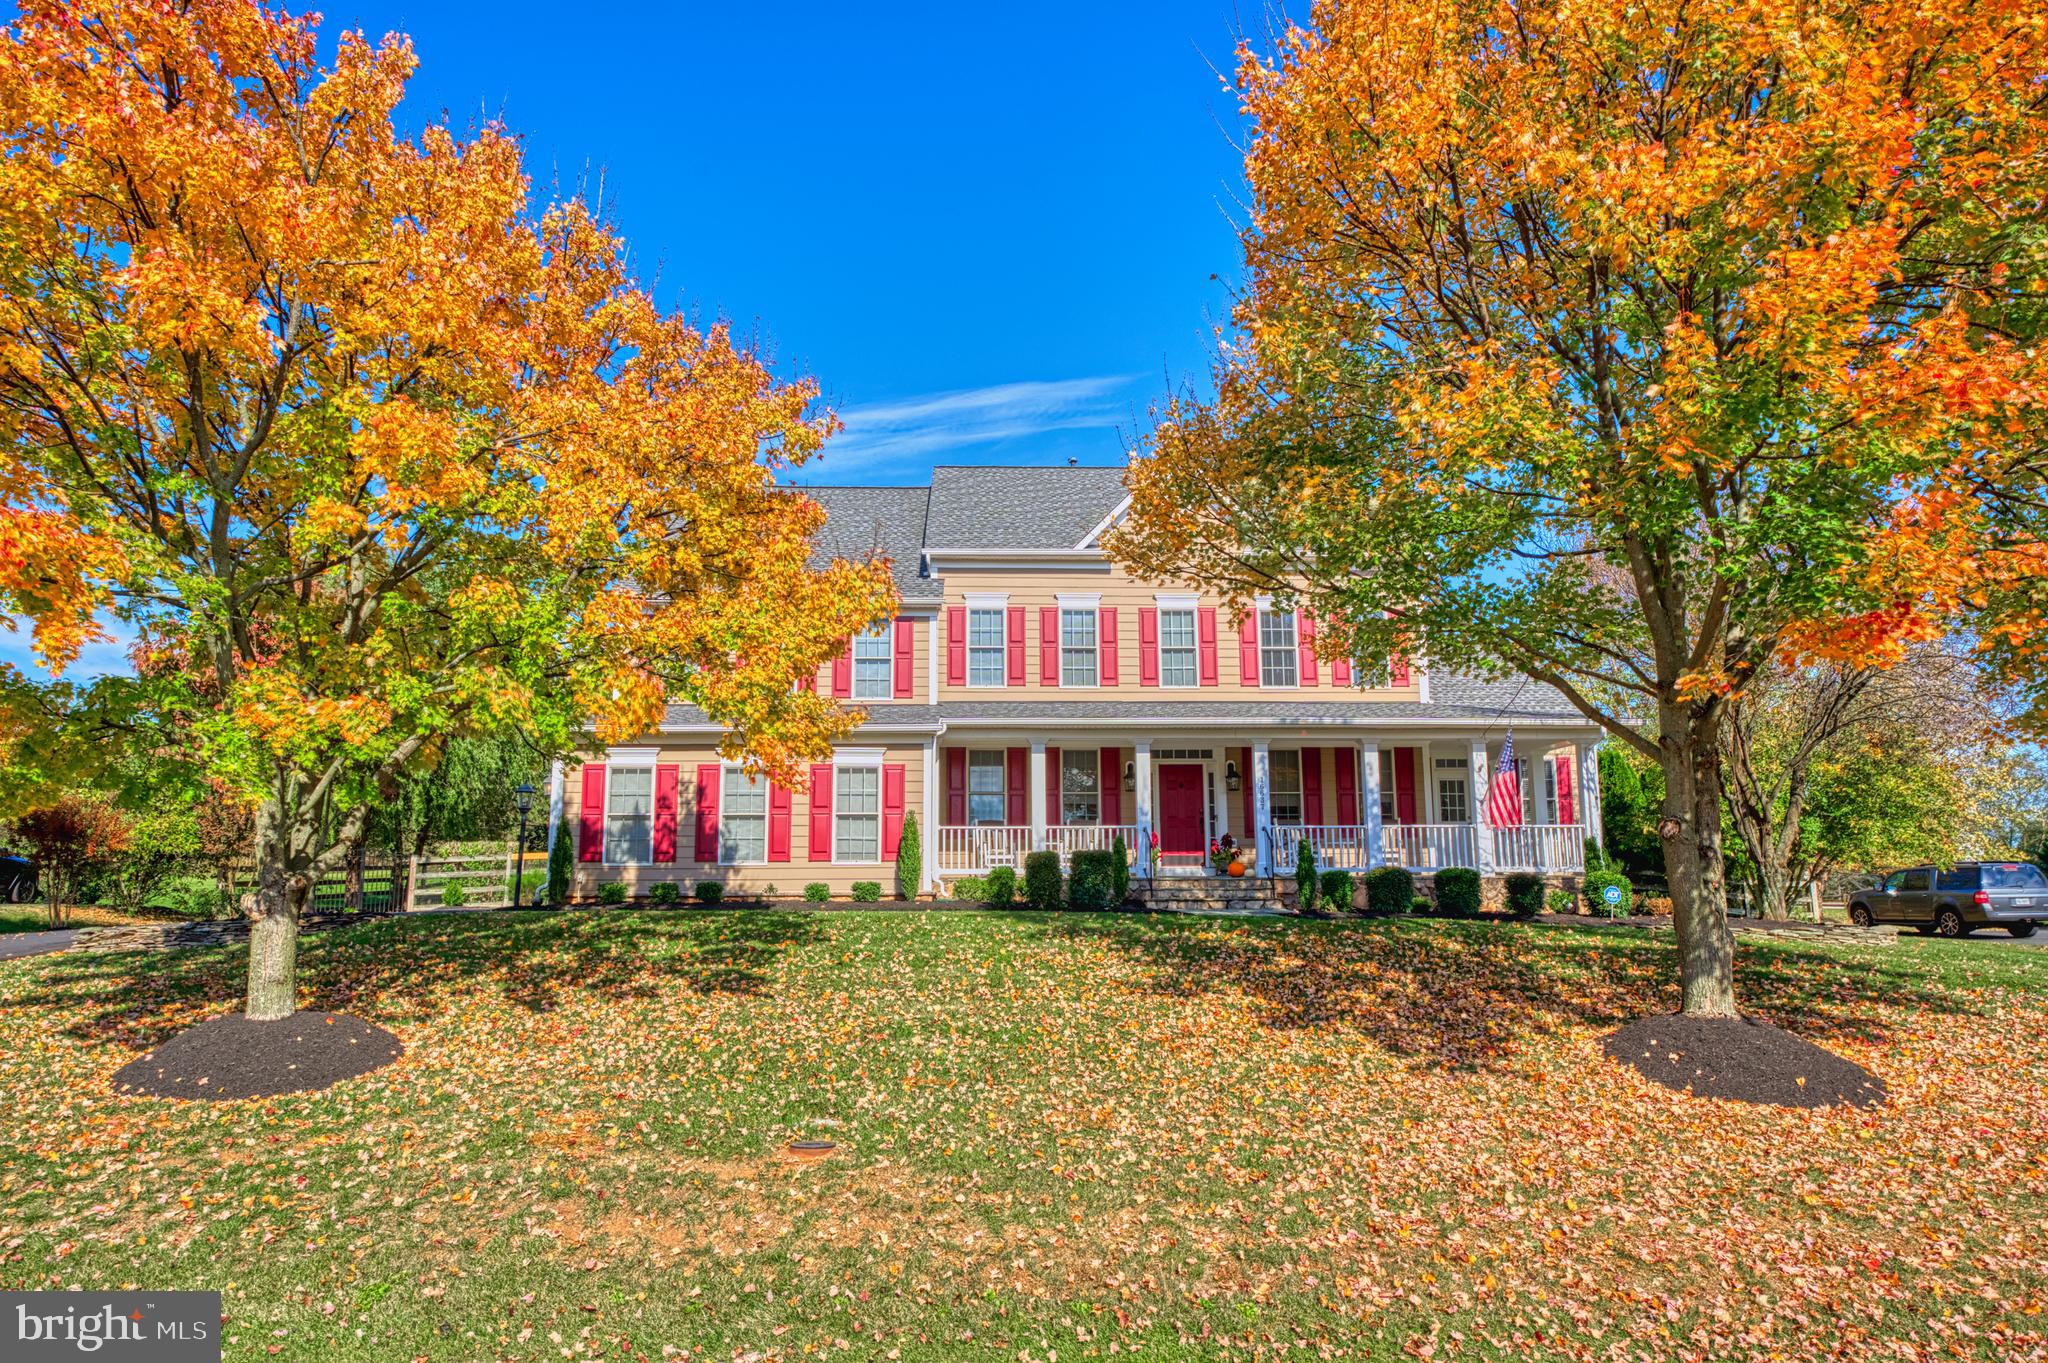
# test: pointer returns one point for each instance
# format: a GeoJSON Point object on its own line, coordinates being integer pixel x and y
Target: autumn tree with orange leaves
{"type": "Point", "coordinates": [385, 451]}
{"type": "Point", "coordinates": [1597, 343]}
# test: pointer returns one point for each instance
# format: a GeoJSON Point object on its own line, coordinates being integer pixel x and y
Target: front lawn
{"type": "Point", "coordinates": [1081, 1136]}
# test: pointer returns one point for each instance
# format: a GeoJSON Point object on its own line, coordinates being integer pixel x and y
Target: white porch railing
{"type": "Point", "coordinates": [1068, 839]}
{"type": "Point", "coordinates": [1540, 847]}
{"type": "Point", "coordinates": [1429, 846]}
{"type": "Point", "coordinates": [1338, 846]}
{"type": "Point", "coordinates": [976, 851]}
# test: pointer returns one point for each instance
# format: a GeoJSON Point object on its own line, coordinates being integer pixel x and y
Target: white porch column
{"type": "Point", "coordinates": [1037, 810]}
{"type": "Point", "coordinates": [1482, 830]}
{"type": "Point", "coordinates": [1588, 753]}
{"type": "Point", "coordinates": [1262, 806]}
{"type": "Point", "coordinates": [1141, 759]}
{"type": "Point", "coordinates": [1369, 802]}
{"type": "Point", "coordinates": [554, 806]}
{"type": "Point", "coordinates": [928, 817]}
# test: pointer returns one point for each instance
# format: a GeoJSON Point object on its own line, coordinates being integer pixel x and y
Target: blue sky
{"type": "Point", "coordinates": [994, 234]}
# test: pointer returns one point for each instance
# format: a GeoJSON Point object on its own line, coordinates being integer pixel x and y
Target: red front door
{"type": "Point", "coordinates": [1180, 809]}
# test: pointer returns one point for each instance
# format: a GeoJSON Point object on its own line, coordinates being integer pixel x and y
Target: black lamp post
{"type": "Point", "coordinates": [523, 798]}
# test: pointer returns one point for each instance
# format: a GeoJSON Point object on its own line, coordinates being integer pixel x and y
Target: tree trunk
{"type": "Point", "coordinates": [283, 886]}
{"type": "Point", "coordinates": [357, 852]}
{"type": "Point", "coordinates": [1691, 833]}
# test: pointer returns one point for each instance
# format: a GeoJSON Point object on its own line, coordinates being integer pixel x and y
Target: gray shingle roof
{"type": "Point", "coordinates": [1510, 696]}
{"type": "Point", "coordinates": [860, 521]}
{"type": "Point", "coordinates": [1019, 508]}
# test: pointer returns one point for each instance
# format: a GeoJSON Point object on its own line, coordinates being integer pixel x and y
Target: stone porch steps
{"type": "Point", "coordinates": [1216, 894]}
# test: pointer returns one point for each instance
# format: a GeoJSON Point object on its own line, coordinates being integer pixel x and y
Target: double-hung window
{"type": "Point", "coordinates": [985, 647]}
{"type": "Point", "coordinates": [1451, 778]}
{"type": "Point", "coordinates": [1389, 801]}
{"type": "Point", "coordinates": [985, 796]}
{"type": "Point", "coordinates": [1177, 648]}
{"type": "Point", "coordinates": [629, 814]}
{"type": "Point", "coordinates": [1285, 795]}
{"type": "Point", "coordinates": [1279, 658]}
{"type": "Point", "coordinates": [742, 818]}
{"type": "Point", "coordinates": [1078, 644]}
{"type": "Point", "coordinates": [874, 664]}
{"type": "Point", "coordinates": [857, 813]}
{"type": "Point", "coordinates": [1080, 786]}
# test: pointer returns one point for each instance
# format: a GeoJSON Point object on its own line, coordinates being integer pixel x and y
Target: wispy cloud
{"type": "Point", "coordinates": [884, 434]}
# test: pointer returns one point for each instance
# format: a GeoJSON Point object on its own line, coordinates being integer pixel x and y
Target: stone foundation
{"type": "Point", "coordinates": [1492, 889]}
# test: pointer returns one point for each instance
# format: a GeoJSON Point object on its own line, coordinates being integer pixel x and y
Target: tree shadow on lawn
{"type": "Point", "coordinates": [1458, 995]}
{"type": "Point", "coordinates": [410, 969]}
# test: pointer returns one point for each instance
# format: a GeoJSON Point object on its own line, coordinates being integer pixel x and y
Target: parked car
{"type": "Point", "coordinates": [1951, 901]}
{"type": "Point", "coordinates": [17, 880]}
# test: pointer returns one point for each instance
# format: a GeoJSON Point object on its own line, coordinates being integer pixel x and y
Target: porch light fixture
{"type": "Point", "coordinates": [1130, 776]}
{"type": "Point", "coordinates": [1231, 780]}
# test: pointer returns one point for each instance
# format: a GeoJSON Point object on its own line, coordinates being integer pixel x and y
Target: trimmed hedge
{"type": "Point", "coordinates": [1333, 891]}
{"type": "Point", "coordinates": [1042, 880]}
{"type": "Point", "coordinates": [1457, 892]}
{"type": "Point", "coordinates": [612, 892]}
{"type": "Point", "coordinates": [1305, 885]}
{"type": "Point", "coordinates": [561, 866]}
{"type": "Point", "coordinates": [1002, 887]}
{"type": "Point", "coordinates": [665, 892]}
{"type": "Point", "coordinates": [1389, 889]}
{"type": "Point", "coordinates": [1524, 894]}
{"type": "Point", "coordinates": [709, 891]}
{"type": "Point", "coordinates": [817, 892]}
{"type": "Point", "coordinates": [1120, 873]}
{"type": "Point", "coordinates": [1091, 881]}
{"type": "Point", "coordinates": [867, 891]}
{"type": "Point", "coordinates": [1593, 883]}
{"type": "Point", "coordinates": [909, 860]}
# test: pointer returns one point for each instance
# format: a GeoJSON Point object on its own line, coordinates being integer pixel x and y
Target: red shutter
{"type": "Point", "coordinates": [1247, 835]}
{"type": "Point", "coordinates": [1248, 656]}
{"type": "Point", "coordinates": [1400, 670]}
{"type": "Point", "coordinates": [1148, 646]}
{"type": "Point", "coordinates": [1312, 786]}
{"type": "Point", "coordinates": [1110, 773]}
{"type": "Point", "coordinates": [906, 658]}
{"type": "Point", "coordinates": [590, 817]}
{"type": "Point", "coordinates": [956, 645]}
{"type": "Point", "coordinates": [1347, 786]}
{"type": "Point", "coordinates": [1048, 646]}
{"type": "Point", "coordinates": [956, 786]}
{"type": "Point", "coordinates": [892, 807]}
{"type": "Point", "coordinates": [707, 817]}
{"type": "Point", "coordinates": [1052, 787]}
{"type": "Point", "coordinates": [1019, 787]}
{"type": "Point", "coordinates": [1567, 811]}
{"type": "Point", "coordinates": [1105, 630]}
{"type": "Point", "coordinates": [1404, 785]}
{"type": "Point", "coordinates": [778, 822]}
{"type": "Point", "coordinates": [1015, 651]}
{"type": "Point", "coordinates": [1340, 672]}
{"type": "Point", "coordinates": [842, 672]}
{"type": "Point", "coordinates": [1205, 636]}
{"type": "Point", "coordinates": [1305, 637]}
{"type": "Point", "coordinates": [821, 811]}
{"type": "Point", "coordinates": [667, 786]}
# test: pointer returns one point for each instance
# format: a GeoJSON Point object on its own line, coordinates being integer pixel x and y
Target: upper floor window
{"type": "Point", "coordinates": [629, 814]}
{"type": "Point", "coordinates": [985, 647]}
{"type": "Point", "coordinates": [1285, 796]}
{"type": "Point", "coordinates": [1279, 659]}
{"type": "Point", "coordinates": [985, 772]}
{"type": "Point", "coordinates": [857, 813]}
{"type": "Point", "coordinates": [1177, 648]}
{"type": "Point", "coordinates": [742, 818]}
{"type": "Point", "coordinates": [1078, 643]}
{"type": "Point", "coordinates": [874, 664]}
{"type": "Point", "coordinates": [1080, 786]}
{"type": "Point", "coordinates": [1451, 806]}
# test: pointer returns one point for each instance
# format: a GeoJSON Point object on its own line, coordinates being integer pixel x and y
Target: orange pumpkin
{"type": "Point", "coordinates": [1237, 868]}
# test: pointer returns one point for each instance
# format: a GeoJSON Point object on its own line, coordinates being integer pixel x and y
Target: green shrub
{"type": "Point", "coordinates": [454, 894]}
{"type": "Point", "coordinates": [612, 892]}
{"type": "Point", "coordinates": [1523, 894]}
{"type": "Point", "coordinates": [192, 897]}
{"type": "Point", "coordinates": [1042, 880]}
{"type": "Point", "coordinates": [1457, 892]}
{"type": "Point", "coordinates": [1333, 891]}
{"type": "Point", "coordinates": [867, 891]}
{"type": "Point", "coordinates": [710, 891]}
{"type": "Point", "coordinates": [561, 867]}
{"type": "Point", "coordinates": [1002, 886]}
{"type": "Point", "coordinates": [972, 889]}
{"type": "Point", "coordinates": [909, 860]}
{"type": "Point", "coordinates": [664, 892]}
{"type": "Point", "coordinates": [817, 892]}
{"type": "Point", "coordinates": [1593, 886]}
{"type": "Point", "coordinates": [1119, 872]}
{"type": "Point", "coordinates": [1422, 904]}
{"type": "Point", "coordinates": [1558, 901]}
{"type": "Point", "coordinates": [1305, 885]}
{"type": "Point", "coordinates": [1389, 889]}
{"type": "Point", "coordinates": [1091, 881]}
{"type": "Point", "coordinates": [1596, 859]}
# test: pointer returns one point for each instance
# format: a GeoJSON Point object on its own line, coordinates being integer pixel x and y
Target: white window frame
{"type": "Point", "coordinates": [1453, 771]}
{"type": "Point", "coordinates": [1093, 758]}
{"type": "Point", "coordinates": [729, 775]}
{"type": "Point", "coordinates": [849, 762]}
{"type": "Point", "coordinates": [1001, 792]}
{"type": "Point", "coordinates": [1390, 795]}
{"type": "Point", "coordinates": [1292, 649]}
{"type": "Point", "coordinates": [1273, 791]}
{"type": "Point", "coordinates": [1193, 649]}
{"type": "Point", "coordinates": [629, 759]}
{"type": "Point", "coordinates": [1093, 648]}
{"type": "Point", "coordinates": [999, 607]}
{"type": "Point", "coordinates": [884, 636]}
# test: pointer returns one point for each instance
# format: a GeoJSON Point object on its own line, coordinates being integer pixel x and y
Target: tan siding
{"type": "Point", "coordinates": [788, 877]}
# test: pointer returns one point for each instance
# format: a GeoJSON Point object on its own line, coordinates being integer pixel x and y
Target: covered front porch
{"type": "Point", "coordinates": [1360, 803]}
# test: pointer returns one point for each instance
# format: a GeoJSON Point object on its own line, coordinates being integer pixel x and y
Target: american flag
{"type": "Point", "coordinates": [1504, 796]}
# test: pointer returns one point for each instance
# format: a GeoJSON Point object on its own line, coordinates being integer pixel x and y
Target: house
{"type": "Point", "coordinates": [1030, 694]}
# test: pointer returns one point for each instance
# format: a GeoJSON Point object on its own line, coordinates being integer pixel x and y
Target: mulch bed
{"type": "Point", "coordinates": [1744, 1059]}
{"type": "Point", "coordinates": [231, 1057]}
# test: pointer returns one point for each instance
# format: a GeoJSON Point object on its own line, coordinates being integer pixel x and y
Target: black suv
{"type": "Point", "coordinates": [1951, 901]}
